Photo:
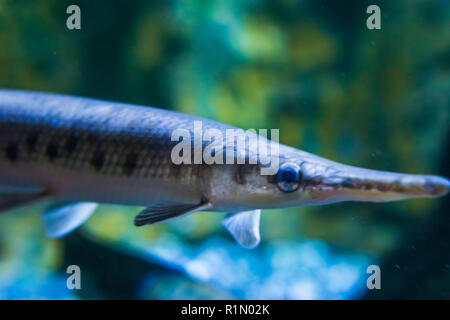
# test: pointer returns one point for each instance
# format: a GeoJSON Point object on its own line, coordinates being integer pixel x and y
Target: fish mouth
{"type": "Point", "coordinates": [346, 183]}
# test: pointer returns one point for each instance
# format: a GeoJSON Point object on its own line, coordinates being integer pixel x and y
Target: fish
{"type": "Point", "coordinates": [78, 152]}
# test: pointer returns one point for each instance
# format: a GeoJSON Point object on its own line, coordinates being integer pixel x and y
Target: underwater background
{"type": "Point", "coordinates": [371, 98]}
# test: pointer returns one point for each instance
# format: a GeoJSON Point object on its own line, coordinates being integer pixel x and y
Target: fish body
{"type": "Point", "coordinates": [83, 149]}
{"type": "Point", "coordinates": [80, 150]}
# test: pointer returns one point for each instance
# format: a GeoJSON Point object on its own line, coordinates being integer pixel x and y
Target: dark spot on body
{"type": "Point", "coordinates": [31, 141]}
{"type": "Point", "coordinates": [12, 152]}
{"type": "Point", "coordinates": [239, 176]}
{"type": "Point", "coordinates": [272, 178]}
{"type": "Point", "coordinates": [91, 138]}
{"type": "Point", "coordinates": [130, 163]}
{"type": "Point", "coordinates": [242, 170]}
{"type": "Point", "coordinates": [71, 144]}
{"type": "Point", "coordinates": [175, 170]}
{"type": "Point", "coordinates": [52, 151]}
{"type": "Point", "coordinates": [98, 160]}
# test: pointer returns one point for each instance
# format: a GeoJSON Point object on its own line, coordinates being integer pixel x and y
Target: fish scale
{"type": "Point", "coordinates": [75, 135]}
{"type": "Point", "coordinates": [77, 149]}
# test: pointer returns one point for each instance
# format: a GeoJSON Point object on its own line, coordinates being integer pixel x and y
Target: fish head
{"type": "Point", "coordinates": [324, 182]}
{"type": "Point", "coordinates": [305, 179]}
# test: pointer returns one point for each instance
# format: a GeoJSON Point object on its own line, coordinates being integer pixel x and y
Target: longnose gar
{"type": "Point", "coordinates": [80, 152]}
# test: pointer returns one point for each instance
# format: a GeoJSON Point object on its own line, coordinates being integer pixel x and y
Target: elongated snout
{"type": "Point", "coordinates": [345, 183]}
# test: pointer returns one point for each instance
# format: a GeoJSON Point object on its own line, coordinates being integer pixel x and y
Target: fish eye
{"type": "Point", "coordinates": [289, 177]}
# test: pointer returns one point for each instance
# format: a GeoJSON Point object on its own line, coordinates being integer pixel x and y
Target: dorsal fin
{"type": "Point", "coordinates": [164, 211]}
{"type": "Point", "coordinates": [244, 227]}
{"type": "Point", "coordinates": [61, 221]}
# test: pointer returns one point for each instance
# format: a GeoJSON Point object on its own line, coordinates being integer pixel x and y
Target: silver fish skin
{"type": "Point", "coordinates": [78, 149]}
{"type": "Point", "coordinates": [82, 149]}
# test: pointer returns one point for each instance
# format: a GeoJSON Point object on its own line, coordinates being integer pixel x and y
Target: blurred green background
{"type": "Point", "coordinates": [371, 98]}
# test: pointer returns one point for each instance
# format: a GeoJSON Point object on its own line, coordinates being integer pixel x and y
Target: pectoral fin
{"type": "Point", "coordinates": [61, 221]}
{"type": "Point", "coordinates": [161, 212]}
{"type": "Point", "coordinates": [244, 227]}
